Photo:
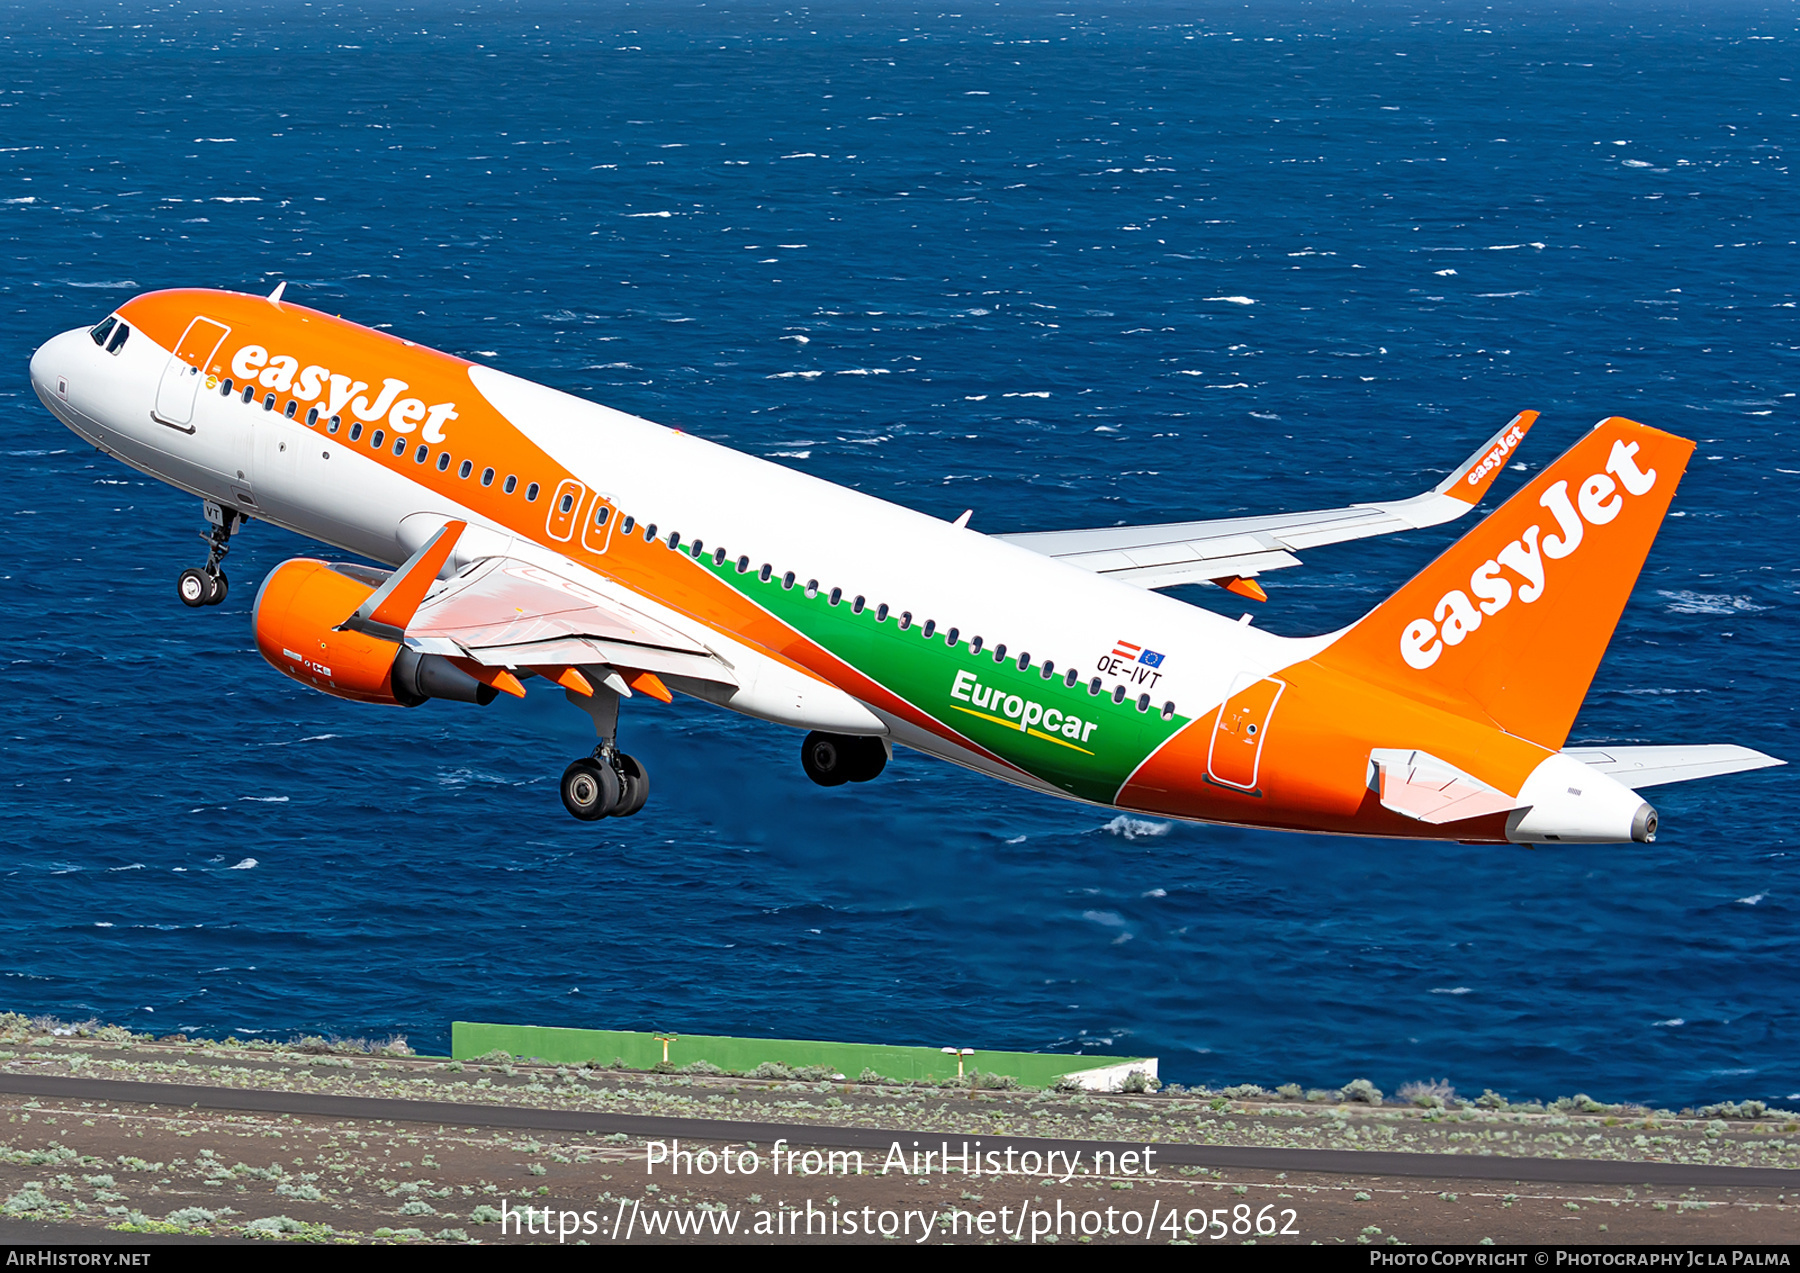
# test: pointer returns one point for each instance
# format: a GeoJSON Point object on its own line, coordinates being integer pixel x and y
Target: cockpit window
{"type": "Point", "coordinates": [118, 339]}
{"type": "Point", "coordinates": [103, 329]}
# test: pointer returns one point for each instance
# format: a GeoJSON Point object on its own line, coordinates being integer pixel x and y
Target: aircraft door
{"type": "Point", "coordinates": [1243, 723]}
{"type": "Point", "coordinates": [565, 510]}
{"type": "Point", "coordinates": [187, 365]}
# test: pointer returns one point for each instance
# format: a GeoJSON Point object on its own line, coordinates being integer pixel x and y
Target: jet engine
{"type": "Point", "coordinates": [300, 613]}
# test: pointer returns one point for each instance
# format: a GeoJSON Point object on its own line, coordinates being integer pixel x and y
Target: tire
{"type": "Point", "coordinates": [825, 759]}
{"type": "Point", "coordinates": [868, 758]}
{"type": "Point", "coordinates": [220, 586]}
{"type": "Point", "coordinates": [194, 588]}
{"type": "Point", "coordinates": [634, 789]}
{"type": "Point", "coordinates": [590, 790]}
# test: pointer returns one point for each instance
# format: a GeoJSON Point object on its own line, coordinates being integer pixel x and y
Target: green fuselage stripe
{"type": "Point", "coordinates": [1085, 744]}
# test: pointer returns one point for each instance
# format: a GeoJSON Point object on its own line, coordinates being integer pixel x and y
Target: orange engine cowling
{"type": "Point", "coordinates": [298, 613]}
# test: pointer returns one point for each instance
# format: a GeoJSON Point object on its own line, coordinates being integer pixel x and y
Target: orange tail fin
{"type": "Point", "coordinates": [1511, 622]}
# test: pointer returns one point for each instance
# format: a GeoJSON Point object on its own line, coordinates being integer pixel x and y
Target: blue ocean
{"type": "Point", "coordinates": [1066, 264]}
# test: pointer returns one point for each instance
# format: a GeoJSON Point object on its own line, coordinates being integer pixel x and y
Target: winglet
{"type": "Point", "coordinates": [391, 607]}
{"type": "Point", "coordinates": [275, 295]}
{"type": "Point", "coordinates": [1470, 482]}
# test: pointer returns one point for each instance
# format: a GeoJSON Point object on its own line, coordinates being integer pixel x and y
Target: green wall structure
{"type": "Point", "coordinates": [643, 1051]}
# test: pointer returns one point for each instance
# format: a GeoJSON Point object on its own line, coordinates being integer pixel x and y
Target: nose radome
{"type": "Point", "coordinates": [54, 358]}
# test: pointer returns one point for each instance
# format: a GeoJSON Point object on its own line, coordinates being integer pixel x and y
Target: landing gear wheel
{"type": "Point", "coordinates": [590, 790]}
{"type": "Point", "coordinates": [195, 587]}
{"type": "Point", "coordinates": [220, 586]}
{"type": "Point", "coordinates": [634, 786]}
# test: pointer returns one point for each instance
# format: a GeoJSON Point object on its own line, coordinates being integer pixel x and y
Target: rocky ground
{"type": "Point", "coordinates": [108, 1165]}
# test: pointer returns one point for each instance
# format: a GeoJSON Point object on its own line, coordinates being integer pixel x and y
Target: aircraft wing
{"type": "Point", "coordinates": [503, 613]}
{"type": "Point", "coordinates": [1654, 766]}
{"type": "Point", "coordinates": [1233, 550]}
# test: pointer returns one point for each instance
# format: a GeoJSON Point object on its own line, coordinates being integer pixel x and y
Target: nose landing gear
{"type": "Point", "coordinates": [207, 585]}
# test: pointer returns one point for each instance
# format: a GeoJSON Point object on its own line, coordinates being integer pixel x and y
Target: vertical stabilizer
{"type": "Point", "coordinates": [1511, 622]}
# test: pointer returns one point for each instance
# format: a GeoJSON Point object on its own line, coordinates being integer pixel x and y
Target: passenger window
{"type": "Point", "coordinates": [421, 453]}
{"type": "Point", "coordinates": [468, 467]}
{"type": "Point", "coordinates": [695, 550]}
{"type": "Point", "coordinates": [269, 403]}
{"type": "Point", "coordinates": [376, 441]}
{"type": "Point", "coordinates": [1168, 711]}
{"type": "Point", "coordinates": [249, 392]}
{"type": "Point", "coordinates": [1071, 677]}
{"type": "Point", "coordinates": [312, 416]}
{"type": "Point", "coordinates": [905, 620]}
{"type": "Point", "coordinates": [650, 533]}
{"type": "Point", "coordinates": [674, 539]}
{"type": "Point", "coordinates": [117, 342]}
{"type": "Point", "coordinates": [881, 613]}
{"type": "Point", "coordinates": [1094, 686]}
{"type": "Point", "coordinates": [1049, 669]}
{"type": "Point", "coordinates": [1024, 662]}
{"type": "Point", "coordinates": [399, 446]}
{"type": "Point", "coordinates": [601, 513]}
{"type": "Point", "coordinates": [487, 477]}
{"type": "Point", "coordinates": [335, 422]}
{"type": "Point", "coordinates": [812, 589]}
{"type": "Point", "coordinates": [787, 580]}
{"type": "Point", "coordinates": [856, 607]}
{"type": "Point", "coordinates": [356, 431]}
{"type": "Point", "coordinates": [293, 405]}
{"type": "Point", "coordinates": [225, 387]}
{"type": "Point", "coordinates": [1000, 653]}
{"type": "Point", "coordinates": [627, 524]}
{"type": "Point", "coordinates": [743, 564]}
{"type": "Point", "coordinates": [975, 644]}
{"type": "Point", "coordinates": [765, 572]}
{"type": "Point", "coordinates": [512, 484]}
{"type": "Point", "coordinates": [531, 493]}
{"type": "Point", "coordinates": [718, 556]}
{"type": "Point", "coordinates": [100, 330]}
{"type": "Point", "coordinates": [443, 460]}
{"type": "Point", "coordinates": [1118, 693]}
{"type": "Point", "coordinates": [930, 627]}
{"type": "Point", "coordinates": [1143, 702]}
{"type": "Point", "coordinates": [566, 503]}
{"type": "Point", "coordinates": [950, 637]}
{"type": "Point", "coordinates": [837, 595]}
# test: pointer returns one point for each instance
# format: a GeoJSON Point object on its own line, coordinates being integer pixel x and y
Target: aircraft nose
{"type": "Point", "coordinates": [52, 364]}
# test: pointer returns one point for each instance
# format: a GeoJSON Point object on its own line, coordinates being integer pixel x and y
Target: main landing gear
{"type": "Point", "coordinates": [831, 760]}
{"type": "Point", "coordinates": [207, 585]}
{"type": "Point", "coordinates": [607, 784]}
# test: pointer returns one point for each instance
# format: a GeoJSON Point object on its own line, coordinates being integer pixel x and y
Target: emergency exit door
{"type": "Point", "coordinates": [1243, 724]}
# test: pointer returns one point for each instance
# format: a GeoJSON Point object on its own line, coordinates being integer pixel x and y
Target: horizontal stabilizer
{"type": "Point", "coordinates": [1417, 784]}
{"type": "Point", "coordinates": [1653, 766]}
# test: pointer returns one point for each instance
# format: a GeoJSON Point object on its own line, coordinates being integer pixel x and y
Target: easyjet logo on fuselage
{"type": "Point", "coordinates": [1598, 500]}
{"type": "Point", "coordinates": [334, 393]}
{"type": "Point", "coordinates": [1496, 457]}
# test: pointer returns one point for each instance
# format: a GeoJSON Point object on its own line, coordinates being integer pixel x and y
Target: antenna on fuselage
{"type": "Point", "coordinates": [275, 295]}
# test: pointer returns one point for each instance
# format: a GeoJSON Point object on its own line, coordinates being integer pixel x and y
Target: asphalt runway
{"type": "Point", "coordinates": [1172, 1154]}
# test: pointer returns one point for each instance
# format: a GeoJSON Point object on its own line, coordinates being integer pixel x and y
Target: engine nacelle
{"type": "Point", "coordinates": [298, 611]}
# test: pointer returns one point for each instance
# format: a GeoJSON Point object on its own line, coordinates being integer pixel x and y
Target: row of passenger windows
{"type": "Point", "coordinates": [110, 325]}
{"type": "Point", "coordinates": [379, 439]}
{"type": "Point", "coordinates": [929, 629]}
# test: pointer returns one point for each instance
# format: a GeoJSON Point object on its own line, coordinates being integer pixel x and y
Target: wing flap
{"type": "Point", "coordinates": [1654, 766]}
{"type": "Point", "coordinates": [1418, 785]}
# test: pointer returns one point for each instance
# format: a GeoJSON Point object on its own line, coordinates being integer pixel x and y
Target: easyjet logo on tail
{"type": "Point", "coordinates": [313, 383]}
{"type": "Point", "coordinates": [1597, 501]}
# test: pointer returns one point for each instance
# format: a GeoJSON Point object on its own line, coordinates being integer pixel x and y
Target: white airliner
{"type": "Point", "coordinates": [540, 535]}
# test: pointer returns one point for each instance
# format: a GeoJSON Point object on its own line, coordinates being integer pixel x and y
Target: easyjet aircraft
{"type": "Point", "coordinates": [539, 535]}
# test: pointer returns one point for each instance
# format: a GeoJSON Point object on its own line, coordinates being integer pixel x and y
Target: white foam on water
{"type": "Point", "coordinates": [265, 799]}
{"type": "Point", "coordinates": [248, 864]}
{"type": "Point", "coordinates": [795, 375]}
{"type": "Point", "coordinates": [649, 214]}
{"type": "Point", "coordinates": [1688, 602]}
{"type": "Point", "coordinates": [121, 285]}
{"type": "Point", "coordinates": [1451, 990]}
{"type": "Point", "coordinates": [1136, 828]}
{"type": "Point", "coordinates": [1752, 900]}
{"type": "Point", "coordinates": [1235, 300]}
{"type": "Point", "coordinates": [1672, 1021]}
{"type": "Point", "coordinates": [1106, 919]}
